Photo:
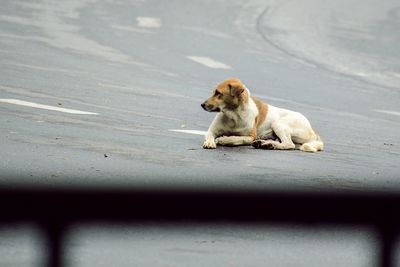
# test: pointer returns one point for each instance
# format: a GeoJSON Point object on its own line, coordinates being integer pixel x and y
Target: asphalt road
{"type": "Point", "coordinates": [132, 63]}
{"type": "Point", "coordinates": [143, 67]}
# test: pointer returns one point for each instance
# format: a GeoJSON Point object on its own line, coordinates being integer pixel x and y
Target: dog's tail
{"type": "Point", "coordinates": [313, 146]}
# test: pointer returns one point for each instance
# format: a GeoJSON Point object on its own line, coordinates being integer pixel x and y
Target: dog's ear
{"type": "Point", "coordinates": [236, 89]}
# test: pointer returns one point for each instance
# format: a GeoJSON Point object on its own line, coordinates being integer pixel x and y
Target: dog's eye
{"type": "Point", "coordinates": [217, 94]}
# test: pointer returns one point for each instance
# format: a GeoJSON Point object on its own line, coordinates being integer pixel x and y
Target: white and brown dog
{"type": "Point", "coordinates": [243, 120]}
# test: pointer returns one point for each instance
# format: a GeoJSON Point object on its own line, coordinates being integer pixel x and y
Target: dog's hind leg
{"type": "Point", "coordinates": [312, 146]}
{"type": "Point", "coordinates": [271, 144]}
{"type": "Point", "coordinates": [282, 134]}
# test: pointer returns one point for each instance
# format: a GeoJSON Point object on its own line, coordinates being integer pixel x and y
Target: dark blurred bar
{"type": "Point", "coordinates": [56, 209]}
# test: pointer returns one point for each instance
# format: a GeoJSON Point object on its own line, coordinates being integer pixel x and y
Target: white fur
{"type": "Point", "coordinates": [234, 128]}
{"type": "Point", "coordinates": [292, 128]}
{"type": "Point", "coordinates": [241, 122]}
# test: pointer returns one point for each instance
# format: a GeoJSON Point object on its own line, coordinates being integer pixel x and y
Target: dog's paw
{"type": "Point", "coordinates": [223, 140]}
{"type": "Point", "coordinates": [267, 146]}
{"type": "Point", "coordinates": [262, 144]}
{"type": "Point", "coordinates": [256, 144]}
{"type": "Point", "coordinates": [209, 144]}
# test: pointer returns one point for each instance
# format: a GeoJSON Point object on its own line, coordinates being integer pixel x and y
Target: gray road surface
{"type": "Point", "coordinates": [144, 67]}
{"type": "Point", "coordinates": [132, 63]}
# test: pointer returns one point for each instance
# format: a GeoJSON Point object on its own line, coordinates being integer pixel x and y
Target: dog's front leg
{"type": "Point", "coordinates": [209, 141]}
{"type": "Point", "coordinates": [234, 140]}
{"type": "Point", "coordinates": [213, 131]}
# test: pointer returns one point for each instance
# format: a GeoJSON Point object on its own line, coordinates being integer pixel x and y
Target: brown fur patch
{"type": "Point", "coordinates": [229, 93]}
{"type": "Point", "coordinates": [262, 110]}
{"type": "Point", "coordinates": [262, 113]}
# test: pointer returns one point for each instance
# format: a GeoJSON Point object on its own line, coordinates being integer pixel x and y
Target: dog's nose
{"type": "Point", "coordinates": [203, 106]}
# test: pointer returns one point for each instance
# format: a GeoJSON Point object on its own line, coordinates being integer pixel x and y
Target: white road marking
{"type": "Point", "coordinates": [130, 29]}
{"type": "Point", "coordinates": [189, 131]}
{"type": "Point", "coordinates": [209, 62]}
{"type": "Point", "coordinates": [390, 112]}
{"type": "Point", "coordinates": [35, 105]}
{"type": "Point", "coordinates": [148, 22]}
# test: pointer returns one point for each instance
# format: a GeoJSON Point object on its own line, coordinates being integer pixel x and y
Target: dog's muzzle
{"type": "Point", "coordinates": [210, 109]}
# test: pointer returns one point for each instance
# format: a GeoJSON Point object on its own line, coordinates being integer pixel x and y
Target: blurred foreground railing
{"type": "Point", "coordinates": [57, 209]}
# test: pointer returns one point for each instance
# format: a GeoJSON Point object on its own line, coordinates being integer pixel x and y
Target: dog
{"type": "Point", "coordinates": [245, 120]}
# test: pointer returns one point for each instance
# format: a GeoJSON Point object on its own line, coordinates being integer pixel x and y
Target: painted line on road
{"type": "Point", "coordinates": [390, 112]}
{"type": "Point", "coordinates": [209, 62]}
{"type": "Point", "coordinates": [148, 22]}
{"type": "Point", "coordinates": [188, 131]}
{"type": "Point", "coordinates": [130, 29]}
{"type": "Point", "coordinates": [40, 106]}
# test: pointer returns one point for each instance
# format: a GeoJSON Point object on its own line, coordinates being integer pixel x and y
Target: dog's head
{"type": "Point", "coordinates": [228, 95]}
